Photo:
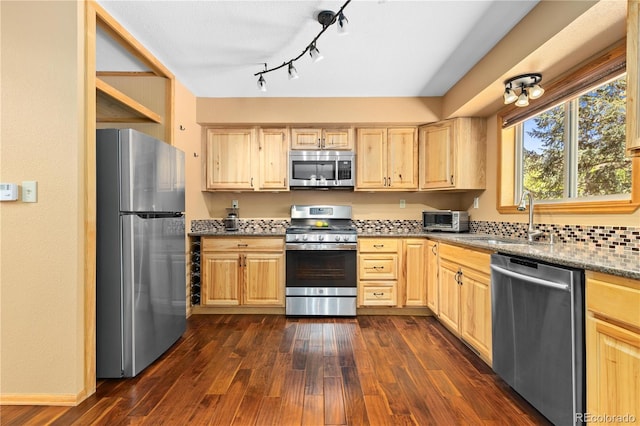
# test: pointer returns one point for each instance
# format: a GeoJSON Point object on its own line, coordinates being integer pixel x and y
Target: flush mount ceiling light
{"type": "Point", "coordinates": [521, 88]}
{"type": "Point", "coordinates": [326, 18]}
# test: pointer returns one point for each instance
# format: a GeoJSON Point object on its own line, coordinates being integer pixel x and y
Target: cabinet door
{"type": "Point", "coordinates": [613, 368]}
{"type": "Point", "coordinates": [432, 277]}
{"type": "Point", "coordinates": [402, 158]}
{"type": "Point", "coordinates": [371, 159]}
{"type": "Point", "coordinates": [306, 138]}
{"type": "Point", "coordinates": [220, 279]}
{"type": "Point", "coordinates": [263, 279]}
{"type": "Point", "coordinates": [229, 159]}
{"type": "Point", "coordinates": [633, 78]}
{"type": "Point", "coordinates": [449, 295]}
{"type": "Point", "coordinates": [475, 311]}
{"type": "Point", "coordinates": [437, 155]}
{"type": "Point", "coordinates": [338, 139]}
{"type": "Point", "coordinates": [415, 256]}
{"type": "Point", "coordinates": [273, 147]}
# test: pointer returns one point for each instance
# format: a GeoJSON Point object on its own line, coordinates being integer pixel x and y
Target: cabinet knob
{"type": "Point", "coordinates": [378, 294]}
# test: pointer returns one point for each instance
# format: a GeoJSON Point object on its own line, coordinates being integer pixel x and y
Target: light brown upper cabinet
{"type": "Point", "coordinates": [633, 79]}
{"type": "Point", "coordinates": [386, 159]}
{"type": "Point", "coordinates": [273, 145]}
{"type": "Point", "coordinates": [452, 154]}
{"type": "Point", "coordinates": [230, 159]}
{"type": "Point", "coordinates": [248, 159]}
{"type": "Point", "coordinates": [318, 138]}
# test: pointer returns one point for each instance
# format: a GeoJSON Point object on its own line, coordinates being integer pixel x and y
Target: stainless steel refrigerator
{"type": "Point", "coordinates": [141, 254]}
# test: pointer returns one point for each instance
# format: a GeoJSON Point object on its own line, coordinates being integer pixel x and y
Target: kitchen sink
{"type": "Point", "coordinates": [489, 239]}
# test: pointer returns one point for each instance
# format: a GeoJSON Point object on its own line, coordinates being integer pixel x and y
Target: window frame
{"type": "Point", "coordinates": [602, 68]}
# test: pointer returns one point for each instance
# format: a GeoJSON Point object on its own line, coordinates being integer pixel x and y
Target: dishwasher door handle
{"type": "Point", "coordinates": [530, 279]}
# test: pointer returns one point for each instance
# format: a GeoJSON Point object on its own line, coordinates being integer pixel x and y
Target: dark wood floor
{"type": "Point", "coordinates": [271, 370]}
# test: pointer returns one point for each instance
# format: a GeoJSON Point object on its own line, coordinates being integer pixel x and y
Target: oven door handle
{"type": "Point", "coordinates": [321, 246]}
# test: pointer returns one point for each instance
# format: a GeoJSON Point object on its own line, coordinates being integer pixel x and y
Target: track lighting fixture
{"type": "Point", "coordinates": [527, 84]}
{"type": "Point", "coordinates": [326, 18]}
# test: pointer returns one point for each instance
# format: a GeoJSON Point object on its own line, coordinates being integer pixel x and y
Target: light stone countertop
{"type": "Point", "coordinates": [625, 263]}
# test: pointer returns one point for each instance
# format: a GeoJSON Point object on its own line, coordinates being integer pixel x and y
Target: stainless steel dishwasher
{"type": "Point", "coordinates": [538, 334]}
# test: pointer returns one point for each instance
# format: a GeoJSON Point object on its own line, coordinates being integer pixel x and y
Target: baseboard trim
{"type": "Point", "coordinates": [236, 310]}
{"type": "Point", "coordinates": [199, 310]}
{"type": "Point", "coordinates": [41, 399]}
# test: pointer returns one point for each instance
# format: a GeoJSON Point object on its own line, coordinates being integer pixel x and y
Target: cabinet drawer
{"type": "Point", "coordinates": [375, 245]}
{"type": "Point", "coordinates": [375, 294]}
{"type": "Point", "coordinates": [378, 266]}
{"type": "Point", "coordinates": [614, 297]}
{"type": "Point", "coordinates": [473, 258]}
{"type": "Point", "coordinates": [242, 244]}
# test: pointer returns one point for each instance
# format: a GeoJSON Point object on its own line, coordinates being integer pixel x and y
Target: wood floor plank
{"type": "Point", "coordinates": [269, 412]}
{"type": "Point", "coordinates": [329, 346]}
{"type": "Point", "coordinates": [378, 409]}
{"type": "Point", "coordinates": [292, 406]}
{"type": "Point", "coordinates": [280, 368]}
{"type": "Point", "coordinates": [314, 373]}
{"type": "Point", "coordinates": [226, 408]}
{"type": "Point", "coordinates": [202, 412]}
{"type": "Point", "coordinates": [354, 398]}
{"type": "Point", "coordinates": [334, 409]}
{"type": "Point", "coordinates": [273, 370]}
{"type": "Point", "coordinates": [313, 412]}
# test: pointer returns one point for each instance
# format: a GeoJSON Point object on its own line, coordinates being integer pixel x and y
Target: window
{"type": "Point", "coordinates": [576, 150]}
{"type": "Point", "coordinates": [568, 147]}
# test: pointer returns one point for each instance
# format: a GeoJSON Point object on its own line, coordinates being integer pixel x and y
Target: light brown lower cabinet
{"type": "Point", "coordinates": [415, 271]}
{"type": "Point", "coordinates": [613, 349]}
{"type": "Point", "coordinates": [464, 296]}
{"type": "Point", "coordinates": [242, 271]}
{"type": "Point", "coordinates": [392, 272]}
{"type": "Point", "coordinates": [378, 263]}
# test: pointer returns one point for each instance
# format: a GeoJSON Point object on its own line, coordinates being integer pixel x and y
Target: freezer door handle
{"type": "Point", "coordinates": [530, 279]}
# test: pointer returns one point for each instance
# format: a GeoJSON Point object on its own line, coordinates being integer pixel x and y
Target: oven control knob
{"type": "Point", "coordinates": [321, 237]}
{"type": "Point", "coordinates": [337, 237]}
{"type": "Point", "coordinates": [304, 237]}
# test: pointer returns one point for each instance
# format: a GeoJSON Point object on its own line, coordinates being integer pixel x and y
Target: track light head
{"type": "Point", "coordinates": [535, 91]}
{"type": "Point", "coordinates": [343, 27]}
{"type": "Point", "coordinates": [315, 53]}
{"type": "Point", "coordinates": [509, 95]}
{"type": "Point", "coordinates": [523, 99]}
{"type": "Point", "coordinates": [293, 73]}
{"type": "Point", "coordinates": [262, 84]}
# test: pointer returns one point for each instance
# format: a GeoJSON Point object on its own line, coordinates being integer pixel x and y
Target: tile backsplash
{"type": "Point", "coordinates": [612, 237]}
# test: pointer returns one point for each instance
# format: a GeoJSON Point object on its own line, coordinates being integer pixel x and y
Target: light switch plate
{"type": "Point", "coordinates": [29, 191]}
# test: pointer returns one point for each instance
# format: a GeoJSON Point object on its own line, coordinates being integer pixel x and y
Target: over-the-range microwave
{"type": "Point", "coordinates": [322, 169]}
{"type": "Point", "coordinates": [445, 220]}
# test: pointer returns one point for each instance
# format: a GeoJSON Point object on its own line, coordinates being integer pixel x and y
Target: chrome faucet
{"type": "Point", "coordinates": [531, 232]}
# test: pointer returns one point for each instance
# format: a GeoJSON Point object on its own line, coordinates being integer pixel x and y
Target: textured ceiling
{"type": "Point", "coordinates": [394, 47]}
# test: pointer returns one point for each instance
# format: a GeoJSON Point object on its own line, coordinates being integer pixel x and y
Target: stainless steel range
{"type": "Point", "coordinates": [321, 246]}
